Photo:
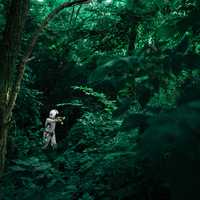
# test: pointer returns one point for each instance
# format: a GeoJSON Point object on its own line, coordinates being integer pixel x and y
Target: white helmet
{"type": "Point", "coordinates": [53, 113]}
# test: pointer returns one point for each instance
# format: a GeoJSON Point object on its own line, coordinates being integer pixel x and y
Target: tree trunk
{"type": "Point", "coordinates": [3, 143]}
{"type": "Point", "coordinates": [9, 56]}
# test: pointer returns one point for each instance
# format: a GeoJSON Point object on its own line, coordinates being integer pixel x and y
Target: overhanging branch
{"type": "Point", "coordinates": [45, 23]}
{"type": "Point", "coordinates": [21, 66]}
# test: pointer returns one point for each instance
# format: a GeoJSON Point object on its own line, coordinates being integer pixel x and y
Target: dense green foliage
{"type": "Point", "coordinates": [126, 76]}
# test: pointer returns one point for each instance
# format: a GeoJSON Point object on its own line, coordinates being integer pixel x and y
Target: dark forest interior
{"type": "Point", "coordinates": [124, 76]}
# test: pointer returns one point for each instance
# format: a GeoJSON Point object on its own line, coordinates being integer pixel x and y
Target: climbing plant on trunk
{"type": "Point", "coordinates": [12, 66]}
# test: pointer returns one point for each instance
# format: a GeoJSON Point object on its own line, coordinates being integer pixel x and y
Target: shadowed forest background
{"type": "Point", "coordinates": [125, 74]}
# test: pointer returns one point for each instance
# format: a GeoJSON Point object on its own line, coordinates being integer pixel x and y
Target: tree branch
{"type": "Point", "coordinates": [78, 12]}
{"type": "Point", "coordinates": [21, 66]}
{"type": "Point", "coordinates": [71, 18]}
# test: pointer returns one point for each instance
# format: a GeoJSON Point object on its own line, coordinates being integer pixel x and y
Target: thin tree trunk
{"type": "Point", "coordinates": [3, 144]}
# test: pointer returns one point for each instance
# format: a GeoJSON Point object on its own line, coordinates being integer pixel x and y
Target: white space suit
{"type": "Point", "coordinates": [49, 133]}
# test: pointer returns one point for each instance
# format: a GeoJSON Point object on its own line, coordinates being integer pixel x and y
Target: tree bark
{"type": "Point", "coordinates": [3, 149]}
{"type": "Point", "coordinates": [10, 49]}
{"type": "Point", "coordinates": [12, 72]}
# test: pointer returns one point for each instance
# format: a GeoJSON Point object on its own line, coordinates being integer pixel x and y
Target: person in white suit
{"type": "Point", "coordinates": [49, 135]}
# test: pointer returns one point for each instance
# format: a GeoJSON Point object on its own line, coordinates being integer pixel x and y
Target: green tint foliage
{"type": "Point", "coordinates": [109, 106]}
{"type": "Point", "coordinates": [30, 115]}
{"type": "Point", "coordinates": [126, 75]}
